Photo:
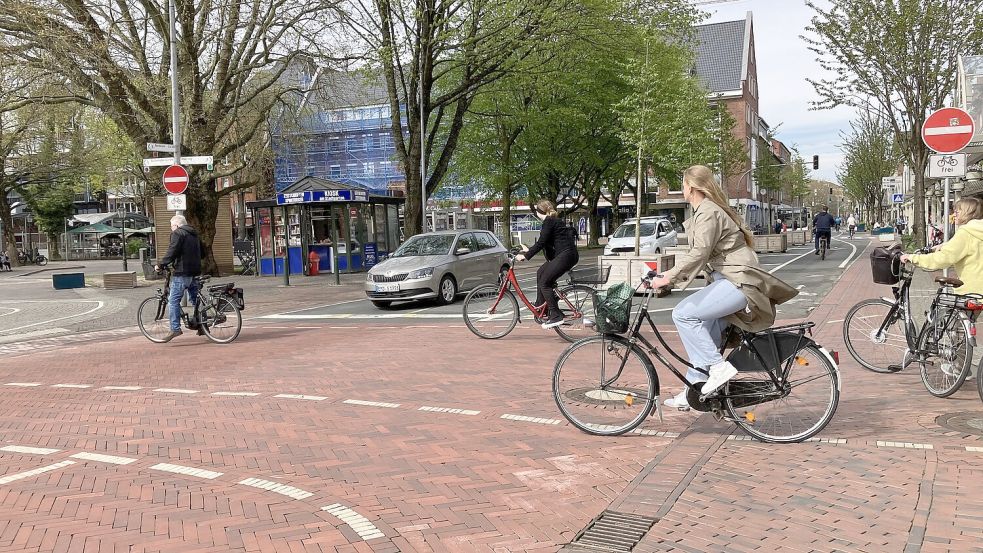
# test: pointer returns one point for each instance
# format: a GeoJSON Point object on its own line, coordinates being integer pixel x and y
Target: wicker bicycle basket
{"type": "Point", "coordinates": [614, 309]}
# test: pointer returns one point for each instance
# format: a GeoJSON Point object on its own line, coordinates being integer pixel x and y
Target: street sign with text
{"type": "Point", "coordinates": [176, 179]}
{"type": "Point", "coordinates": [944, 166]}
{"type": "Point", "coordinates": [158, 147]}
{"type": "Point", "coordinates": [185, 160]}
{"type": "Point", "coordinates": [948, 130]}
{"type": "Point", "coordinates": [891, 182]}
{"type": "Point", "coordinates": [177, 202]}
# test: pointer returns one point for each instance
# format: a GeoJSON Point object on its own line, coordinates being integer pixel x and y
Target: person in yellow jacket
{"type": "Point", "coordinates": [964, 250]}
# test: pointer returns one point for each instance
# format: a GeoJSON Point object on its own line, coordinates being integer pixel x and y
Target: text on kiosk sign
{"type": "Point", "coordinates": [309, 196]}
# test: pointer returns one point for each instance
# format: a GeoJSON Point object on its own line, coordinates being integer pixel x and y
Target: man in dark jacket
{"type": "Point", "coordinates": [822, 225]}
{"type": "Point", "coordinates": [184, 253]}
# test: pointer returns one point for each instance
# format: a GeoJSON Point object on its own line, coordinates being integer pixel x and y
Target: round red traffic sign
{"type": "Point", "coordinates": [948, 130]}
{"type": "Point", "coordinates": [176, 179]}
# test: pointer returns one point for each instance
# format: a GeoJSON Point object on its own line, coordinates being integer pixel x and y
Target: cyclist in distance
{"type": "Point", "coordinates": [740, 292]}
{"type": "Point", "coordinates": [184, 252]}
{"type": "Point", "coordinates": [964, 250]}
{"type": "Point", "coordinates": [851, 224]}
{"type": "Point", "coordinates": [822, 225]}
{"type": "Point", "coordinates": [559, 244]}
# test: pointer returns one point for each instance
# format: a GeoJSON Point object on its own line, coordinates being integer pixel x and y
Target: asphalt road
{"type": "Point", "coordinates": [798, 266]}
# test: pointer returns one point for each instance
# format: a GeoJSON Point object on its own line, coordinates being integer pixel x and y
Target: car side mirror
{"type": "Point", "coordinates": [462, 251]}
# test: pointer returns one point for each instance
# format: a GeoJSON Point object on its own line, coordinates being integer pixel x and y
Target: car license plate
{"type": "Point", "coordinates": [387, 287]}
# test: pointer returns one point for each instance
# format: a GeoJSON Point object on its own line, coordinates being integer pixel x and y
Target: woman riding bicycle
{"type": "Point", "coordinates": [740, 292]}
{"type": "Point", "coordinates": [560, 244]}
{"type": "Point", "coordinates": [964, 250]}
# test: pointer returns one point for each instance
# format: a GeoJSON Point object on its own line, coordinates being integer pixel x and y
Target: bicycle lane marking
{"type": "Point", "coordinates": [93, 310]}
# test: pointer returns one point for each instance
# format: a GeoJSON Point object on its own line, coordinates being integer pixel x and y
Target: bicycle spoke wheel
{"type": "Point", "coordinates": [875, 349]}
{"type": "Point", "coordinates": [577, 304]}
{"type": "Point", "coordinates": [800, 409]}
{"type": "Point", "coordinates": [979, 379]}
{"type": "Point", "coordinates": [153, 320]}
{"type": "Point", "coordinates": [604, 385]}
{"type": "Point", "coordinates": [944, 354]}
{"type": "Point", "coordinates": [221, 320]}
{"type": "Point", "coordinates": [490, 317]}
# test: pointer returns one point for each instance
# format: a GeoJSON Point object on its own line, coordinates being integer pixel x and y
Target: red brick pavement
{"type": "Point", "coordinates": [449, 481]}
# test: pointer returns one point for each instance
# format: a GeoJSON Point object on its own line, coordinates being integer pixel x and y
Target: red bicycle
{"type": "Point", "coordinates": [492, 311]}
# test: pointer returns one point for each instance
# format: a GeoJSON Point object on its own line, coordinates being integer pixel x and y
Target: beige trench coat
{"type": "Point", "coordinates": [717, 244]}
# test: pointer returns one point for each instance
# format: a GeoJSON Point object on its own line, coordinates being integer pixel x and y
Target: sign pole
{"type": "Point", "coordinates": [175, 99]}
{"type": "Point", "coordinates": [286, 248]}
{"type": "Point", "coordinates": [945, 211]}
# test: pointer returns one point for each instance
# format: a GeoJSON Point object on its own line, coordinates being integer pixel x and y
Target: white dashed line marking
{"type": "Point", "coordinates": [361, 525]}
{"type": "Point", "coordinates": [175, 391]}
{"type": "Point", "coordinates": [904, 445]}
{"type": "Point", "coordinates": [301, 396]}
{"type": "Point", "coordinates": [41, 470]}
{"type": "Point", "coordinates": [100, 458]}
{"type": "Point", "coordinates": [31, 450]}
{"type": "Point", "coordinates": [127, 388]}
{"type": "Point", "coordinates": [371, 403]}
{"type": "Point", "coordinates": [536, 420]}
{"type": "Point", "coordinates": [974, 449]}
{"type": "Point", "coordinates": [188, 471]}
{"type": "Point", "coordinates": [23, 384]}
{"type": "Point", "coordinates": [282, 489]}
{"type": "Point", "coordinates": [655, 433]}
{"type": "Point", "coordinates": [236, 394]}
{"type": "Point", "coordinates": [71, 385]}
{"type": "Point", "coordinates": [448, 410]}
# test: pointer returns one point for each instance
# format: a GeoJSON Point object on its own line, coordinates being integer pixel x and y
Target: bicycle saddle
{"type": "Point", "coordinates": [949, 281]}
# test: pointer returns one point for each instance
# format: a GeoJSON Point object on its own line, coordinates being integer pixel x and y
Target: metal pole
{"type": "Point", "coordinates": [286, 248]}
{"type": "Point", "coordinates": [423, 137]}
{"type": "Point", "coordinates": [945, 211]}
{"type": "Point", "coordinates": [175, 93]}
{"type": "Point", "coordinates": [122, 223]}
{"type": "Point", "coordinates": [334, 246]}
{"type": "Point", "coordinates": [638, 205]}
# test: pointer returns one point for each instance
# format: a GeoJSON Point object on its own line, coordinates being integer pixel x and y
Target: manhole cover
{"type": "Point", "coordinates": [967, 422]}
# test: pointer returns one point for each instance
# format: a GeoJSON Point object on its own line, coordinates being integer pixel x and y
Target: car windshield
{"type": "Point", "coordinates": [432, 244]}
{"type": "Point", "coordinates": [628, 229]}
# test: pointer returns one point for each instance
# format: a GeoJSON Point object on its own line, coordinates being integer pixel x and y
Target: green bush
{"type": "Point", "coordinates": [133, 246]}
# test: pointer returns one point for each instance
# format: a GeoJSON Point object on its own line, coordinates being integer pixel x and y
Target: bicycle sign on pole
{"type": "Point", "coordinates": [948, 165]}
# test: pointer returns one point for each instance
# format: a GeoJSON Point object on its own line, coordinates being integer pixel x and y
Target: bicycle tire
{"type": "Point", "coordinates": [823, 246]}
{"type": "Point", "coordinates": [944, 377]}
{"type": "Point", "coordinates": [860, 333]}
{"type": "Point", "coordinates": [221, 313]}
{"type": "Point", "coordinates": [582, 297]}
{"type": "Point", "coordinates": [775, 420]}
{"type": "Point", "coordinates": [154, 327]}
{"type": "Point", "coordinates": [979, 379]}
{"type": "Point", "coordinates": [596, 403]}
{"type": "Point", "coordinates": [476, 308]}
{"type": "Point", "coordinates": [42, 260]}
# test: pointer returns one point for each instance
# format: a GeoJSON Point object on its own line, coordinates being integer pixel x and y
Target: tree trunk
{"type": "Point", "coordinates": [593, 223]}
{"type": "Point", "coordinates": [54, 248]}
{"type": "Point", "coordinates": [507, 215]}
{"type": "Point", "coordinates": [201, 214]}
{"type": "Point", "coordinates": [920, 159]}
{"type": "Point", "coordinates": [8, 230]}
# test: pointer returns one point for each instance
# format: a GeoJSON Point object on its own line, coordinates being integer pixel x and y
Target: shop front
{"type": "Point", "coordinates": [317, 222]}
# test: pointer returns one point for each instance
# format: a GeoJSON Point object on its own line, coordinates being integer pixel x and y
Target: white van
{"type": "Point", "coordinates": [657, 235]}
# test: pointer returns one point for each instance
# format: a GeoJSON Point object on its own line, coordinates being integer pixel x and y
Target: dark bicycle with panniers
{"type": "Point", "coordinates": [786, 390]}
{"type": "Point", "coordinates": [216, 312]}
{"type": "Point", "coordinates": [880, 333]}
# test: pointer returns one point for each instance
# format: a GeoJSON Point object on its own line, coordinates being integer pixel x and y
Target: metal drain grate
{"type": "Point", "coordinates": [613, 531]}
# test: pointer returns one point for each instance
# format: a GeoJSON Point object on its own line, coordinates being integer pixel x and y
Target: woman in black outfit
{"type": "Point", "coordinates": [559, 242]}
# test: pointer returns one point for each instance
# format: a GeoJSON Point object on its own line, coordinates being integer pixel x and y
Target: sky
{"type": "Point", "coordinates": [784, 62]}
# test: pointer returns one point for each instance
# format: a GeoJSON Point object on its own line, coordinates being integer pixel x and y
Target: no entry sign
{"type": "Point", "coordinates": [175, 179]}
{"type": "Point", "coordinates": [948, 130]}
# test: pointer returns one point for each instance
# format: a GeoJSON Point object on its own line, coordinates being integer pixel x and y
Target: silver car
{"type": "Point", "coordinates": [437, 265]}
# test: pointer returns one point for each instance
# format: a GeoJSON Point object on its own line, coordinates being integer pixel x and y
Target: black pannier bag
{"type": "Point", "coordinates": [885, 264]}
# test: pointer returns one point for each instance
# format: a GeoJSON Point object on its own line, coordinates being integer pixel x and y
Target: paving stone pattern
{"type": "Point", "coordinates": [357, 438]}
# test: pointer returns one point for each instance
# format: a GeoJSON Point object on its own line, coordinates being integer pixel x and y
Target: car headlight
{"type": "Point", "coordinates": [368, 277]}
{"type": "Point", "coordinates": [421, 273]}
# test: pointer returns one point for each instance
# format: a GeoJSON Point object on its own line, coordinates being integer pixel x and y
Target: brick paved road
{"type": "Point", "coordinates": [312, 437]}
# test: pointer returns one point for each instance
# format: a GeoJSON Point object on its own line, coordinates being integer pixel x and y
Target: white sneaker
{"type": "Point", "coordinates": [719, 375]}
{"type": "Point", "coordinates": [678, 402]}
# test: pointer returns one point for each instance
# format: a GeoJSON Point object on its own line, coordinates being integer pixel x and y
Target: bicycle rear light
{"type": "Point", "coordinates": [836, 356]}
{"type": "Point", "coordinates": [974, 305]}
{"type": "Point", "coordinates": [972, 331]}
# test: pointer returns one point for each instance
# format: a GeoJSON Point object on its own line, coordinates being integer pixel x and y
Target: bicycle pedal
{"type": "Point", "coordinates": [895, 368]}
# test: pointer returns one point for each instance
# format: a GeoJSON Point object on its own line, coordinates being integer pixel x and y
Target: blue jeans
{"type": "Point", "coordinates": [178, 286]}
{"type": "Point", "coordinates": [700, 322]}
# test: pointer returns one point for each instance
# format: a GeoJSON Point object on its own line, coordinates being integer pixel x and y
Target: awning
{"type": "Point", "coordinates": [98, 228]}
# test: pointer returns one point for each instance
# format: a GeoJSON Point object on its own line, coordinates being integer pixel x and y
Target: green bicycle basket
{"type": "Point", "coordinates": [614, 309]}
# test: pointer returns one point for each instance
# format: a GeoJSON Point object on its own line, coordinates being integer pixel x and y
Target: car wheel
{"type": "Point", "coordinates": [447, 290]}
{"type": "Point", "coordinates": [381, 304]}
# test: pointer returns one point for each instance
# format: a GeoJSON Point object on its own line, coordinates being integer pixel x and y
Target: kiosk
{"type": "Point", "coordinates": [348, 228]}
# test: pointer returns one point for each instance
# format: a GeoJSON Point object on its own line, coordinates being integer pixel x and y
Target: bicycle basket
{"type": "Point", "coordinates": [885, 264]}
{"type": "Point", "coordinates": [590, 275]}
{"type": "Point", "coordinates": [614, 309]}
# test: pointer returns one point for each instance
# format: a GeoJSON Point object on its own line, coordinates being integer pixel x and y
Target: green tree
{"type": "Point", "coordinates": [896, 58]}
{"type": "Point", "coordinates": [237, 61]}
{"type": "Point", "coordinates": [870, 153]}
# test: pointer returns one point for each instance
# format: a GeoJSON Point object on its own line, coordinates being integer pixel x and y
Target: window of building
{"type": "Point", "coordinates": [334, 172]}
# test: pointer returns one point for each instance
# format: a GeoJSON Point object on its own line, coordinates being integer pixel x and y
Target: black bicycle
{"type": "Point", "coordinates": [216, 312]}
{"type": "Point", "coordinates": [31, 256]}
{"type": "Point", "coordinates": [786, 390]}
{"type": "Point", "coordinates": [880, 333]}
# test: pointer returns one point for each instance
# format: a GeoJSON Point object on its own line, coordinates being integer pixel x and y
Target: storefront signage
{"type": "Point", "coordinates": [369, 249]}
{"type": "Point", "coordinates": [314, 196]}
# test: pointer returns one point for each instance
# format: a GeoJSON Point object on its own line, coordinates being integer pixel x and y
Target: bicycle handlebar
{"type": "Point", "coordinates": [661, 291]}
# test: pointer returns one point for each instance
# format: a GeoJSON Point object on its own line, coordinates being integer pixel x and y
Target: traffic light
{"type": "Point", "coordinates": [815, 162]}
